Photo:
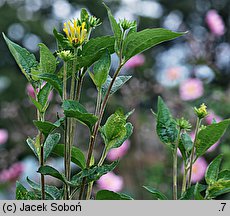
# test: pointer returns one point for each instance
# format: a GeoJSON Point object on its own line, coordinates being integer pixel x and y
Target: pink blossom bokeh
{"type": "Point", "coordinates": [110, 181]}
{"type": "Point", "coordinates": [199, 169]}
{"type": "Point", "coordinates": [119, 152]}
{"type": "Point", "coordinates": [215, 23]}
{"type": "Point", "coordinates": [135, 61]}
{"type": "Point", "coordinates": [191, 89]}
{"type": "Point", "coordinates": [12, 173]}
{"type": "Point", "coordinates": [3, 136]}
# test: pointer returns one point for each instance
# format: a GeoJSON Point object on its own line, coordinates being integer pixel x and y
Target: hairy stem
{"type": "Point", "coordinates": [97, 125]}
{"type": "Point", "coordinates": [175, 167]}
{"type": "Point", "coordinates": [198, 122]}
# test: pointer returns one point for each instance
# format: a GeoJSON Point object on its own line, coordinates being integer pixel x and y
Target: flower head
{"type": "Point", "coordinates": [201, 112]}
{"type": "Point", "coordinates": [110, 181]}
{"type": "Point", "coordinates": [119, 152]}
{"type": "Point", "coordinates": [191, 89]}
{"type": "Point", "coordinates": [76, 32]}
{"type": "Point", "coordinates": [215, 23]}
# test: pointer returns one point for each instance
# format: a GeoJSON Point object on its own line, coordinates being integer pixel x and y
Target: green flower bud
{"type": "Point", "coordinates": [94, 22]}
{"type": "Point", "coordinates": [184, 124]}
{"type": "Point", "coordinates": [201, 112]}
{"type": "Point", "coordinates": [65, 55]}
{"type": "Point", "coordinates": [126, 24]}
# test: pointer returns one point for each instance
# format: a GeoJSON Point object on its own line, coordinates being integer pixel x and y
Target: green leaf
{"type": "Point", "coordinates": [92, 174]}
{"type": "Point", "coordinates": [119, 82]}
{"type": "Point", "coordinates": [62, 41]}
{"type": "Point", "coordinates": [187, 142]}
{"type": "Point", "coordinates": [138, 42]}
{"type": "Point", "coordinates": [224, 175]}
{"type": "Point", "coordinates": [25, 60]}
{"type": "Point", "coordinates": [166, 125]}
{"type": "Point", "coordinates": [77, 156]}
{"type": "Point", "coordinates": [156, 193]}
{"type": "Point", "coordinates": [50, 142]}
{"type": "Point", "coordinates": [189, 193]}
{"type": "Point", "coordinates": [116, 130]}
{"type": "Point", "coordinates": [93, 50]}
{"type": "Point", "coordinates": [48, 170]}
{"type": "Point", "coordinates": [197, 194]}
{"type": "Point", "coordinates": [110, 195]}
{"type": "Point", "coordinates": [31, 143]}
{"type": "Point", "coordinates": [47, 60]}
{"type": "Point", "coordinates": [53, 80]}
{"type": "Point", "coordinates": [52, 191]}
{"type": "Point", "coordinates": [218, 188]}
{"type": "Point", "coordinates": [210, 135]}
{"type": "Point", "coordinates": [23, 194]}
{"type": "Point", "coordinates": [212, 171]}
{"type": "Point", "coordinates": [43, 96]}
{"type": "Point", "coordinates": [101, 70]}
{"type": "Point", "coordinates": [74, 109]}
{"type": "Point", "coordinates": [44, 126]}
{"type": "Point", "coordinates": [36, 104]}
{"type": "Point", "coordinates": [97, 44]}
{"type": "Point", "coordinates": [115, 27]}
{"type": "Point", "coordinates": [185, 145]}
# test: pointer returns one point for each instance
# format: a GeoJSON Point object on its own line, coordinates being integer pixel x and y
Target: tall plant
{"type": "Point", "coordinates": [80, 55]}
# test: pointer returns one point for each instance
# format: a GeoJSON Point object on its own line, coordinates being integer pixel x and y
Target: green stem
{"type": "Point", "coordinates": [42, 163]}
{"type": "Point", "coordinates": [100, 163]}
{"type": "Point", "coordinates": [40, 117]}
{"type": "Point", "coordinates": [198, 122]}
{"type": "Point", "coordinates": [103, 156]}
{"type": "Point", "coordinates": [66, 133]}
{"type": "Point", "coordinates": [98, 102]}
{"type": "Point", "coordinates": [97, 125]}
{"type": "Point", "coordinates": [184, 181]}
{"type": "Point", "coordinates": [175, 167]}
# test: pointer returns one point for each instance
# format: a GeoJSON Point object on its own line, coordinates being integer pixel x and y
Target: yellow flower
{"type": "Point", "coordinates": [75, 32]}
{"type": "Point", "coordinates": [201, 112]}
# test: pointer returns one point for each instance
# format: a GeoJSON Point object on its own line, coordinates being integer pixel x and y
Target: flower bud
{"type": "Point", "coordinates": [184, 124]}
{"type": "Point", "coordinates": [65, 55]}
{"type": "Point", "coordinates": [201, 112]}
{"type": "Point", "coordinates": [126, 24]}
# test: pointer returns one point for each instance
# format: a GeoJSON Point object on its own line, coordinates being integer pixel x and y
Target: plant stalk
{"type": "Point", "coordinates": [198, 122]}
{"type": "Point", "coordinates": [97, 125]}
{"type": "Point", "coordinates": [184, 181]}
{"type": "Point", "coordinates": [40, 117]}
{"type": "Point", "coordinates": [175, 167]}
{"type": "Point", "coordinates": [66, 133]}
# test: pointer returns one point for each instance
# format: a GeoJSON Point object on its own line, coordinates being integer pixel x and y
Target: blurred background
{"type": "Point", "coordinates": [185, 72]}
